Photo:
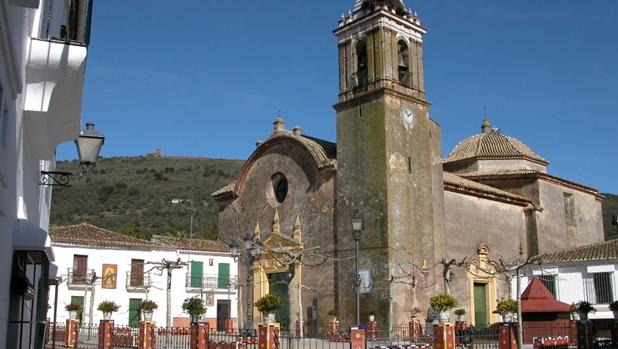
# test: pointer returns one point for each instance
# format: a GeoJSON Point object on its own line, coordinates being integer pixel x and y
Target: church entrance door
{"type": "Point", "coordinates": [480, 305]}
{"type": "Point", "coordinates": [279, 284]}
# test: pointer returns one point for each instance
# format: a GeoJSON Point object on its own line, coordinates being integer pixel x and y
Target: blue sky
{"type": "Point", "coordinates": [207, 78]}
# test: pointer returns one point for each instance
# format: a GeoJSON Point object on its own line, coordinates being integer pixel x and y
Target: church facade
{"type": "Point", "coordinates": [429, 224]}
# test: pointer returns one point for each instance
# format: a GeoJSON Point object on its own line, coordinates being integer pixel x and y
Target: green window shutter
{"type": "Point", "coordinates": [78, 300]}
{"type": "Point", "coordinates": [197, 274]}
{"type": "Point", "coordinates": [224, 275]}
{"type": "Point", "coordinates": [134, 311]}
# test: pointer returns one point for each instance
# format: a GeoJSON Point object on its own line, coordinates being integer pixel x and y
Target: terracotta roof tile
{"type": "Point", "coordinates": [92, 236]}
{"type": "Point", "coordinates": [85, 234]}
{"type": "Point", "coordinates": [607, 250]}
{"type": "Point", "coordinates": [492, 145]}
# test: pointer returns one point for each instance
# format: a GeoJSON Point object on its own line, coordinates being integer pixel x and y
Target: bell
{"type": "Point", "coordinates": [403, 65]}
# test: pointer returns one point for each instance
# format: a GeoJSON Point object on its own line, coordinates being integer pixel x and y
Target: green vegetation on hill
{"type": "Point", "coordinates": [132, 195]}
{"type": "Point", "coordinates": [610, 208]}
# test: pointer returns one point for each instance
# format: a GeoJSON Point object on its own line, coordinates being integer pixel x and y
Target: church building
{"type": "Point", "coordinates": [430, 224]}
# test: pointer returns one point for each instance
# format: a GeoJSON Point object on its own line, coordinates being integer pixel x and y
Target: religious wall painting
{"type": "Point", "coordinates": [109, 276]}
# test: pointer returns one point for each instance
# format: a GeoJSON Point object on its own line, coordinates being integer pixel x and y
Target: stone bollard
{"type": "Point", "coordinates": [229, 326]}
{"type": "Point", "coordinates": [333, 331]}
{"type": "Point", "coordinates": [444, 336]}
{"type": "Point", "coordinates": [70, 341]}
{"type": "Point", "coordinates": [614, 334]}
{"type": "Point", "coordinates": [106, 333]}
{"type": "Point", "coordinates": [415, 331]}
{"type": "Point", "coordinates": [199, 335]}
{"type": "Point", "coordinates": [298, 329]}
{"type": "Point", "coordinates": [508, 336]}
{"type": "Point", "coordinates": [357, 339]}
{"type": "Point", "coordinates": [268, 336]}
{"type": "Point", "coordinates": [147, 338]}
{"type": "Point", "coordinates": [573, 334]}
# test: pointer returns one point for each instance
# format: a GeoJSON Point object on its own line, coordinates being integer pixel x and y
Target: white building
{"type": "Point", "coordinates": [43, 49]}
{"type": "Point", "coordinates": [98, 265]}
{"type": "Point", "coordinates": [586, 273]}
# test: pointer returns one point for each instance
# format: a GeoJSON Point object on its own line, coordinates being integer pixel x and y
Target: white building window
{"type": "Point", "coordinates": [598, 288]}
{"type": "Point", "coordinates": [549, 281]}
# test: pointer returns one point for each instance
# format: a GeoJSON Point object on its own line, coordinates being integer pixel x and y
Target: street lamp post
{"type": "Point", "coordinates": [357, 228]}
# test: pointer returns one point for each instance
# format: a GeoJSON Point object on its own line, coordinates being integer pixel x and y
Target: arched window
{"type": "Point", "coordinates": [362, 71]}
{"type": "Point", "coordinates": [403, 66]}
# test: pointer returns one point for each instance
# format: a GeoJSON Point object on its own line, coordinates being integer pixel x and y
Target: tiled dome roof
{"type": "Point", "coordinates": [491, 144]}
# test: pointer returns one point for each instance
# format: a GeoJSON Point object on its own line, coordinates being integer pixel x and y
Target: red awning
{"type": "Point", "coordinates": [537, 299]}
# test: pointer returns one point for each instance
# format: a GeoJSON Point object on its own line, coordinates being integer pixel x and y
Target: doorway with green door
{"type": "Point", "coordinates": [480, 305]}
{"type": "Point", "coordinates": [278, 283]}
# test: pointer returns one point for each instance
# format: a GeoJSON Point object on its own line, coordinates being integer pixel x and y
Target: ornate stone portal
{"type": "Point", "coordinates": [279, 270]}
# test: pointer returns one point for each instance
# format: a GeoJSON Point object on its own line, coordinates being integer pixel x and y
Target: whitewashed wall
{"type": "Point", "coordinates": [570, 282]}
{"type": "Point", "coordinates": [99, 256]}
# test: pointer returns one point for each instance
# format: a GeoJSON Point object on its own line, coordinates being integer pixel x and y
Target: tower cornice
{"type": "Point", "coordinates": [350, 26]}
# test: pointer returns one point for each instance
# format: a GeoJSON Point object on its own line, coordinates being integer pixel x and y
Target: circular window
{"type": "Point", "coordinates": [280, 186]}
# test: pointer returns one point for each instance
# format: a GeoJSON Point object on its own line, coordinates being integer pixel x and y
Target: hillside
{"type": "Point", "coordinates": [132, 195]}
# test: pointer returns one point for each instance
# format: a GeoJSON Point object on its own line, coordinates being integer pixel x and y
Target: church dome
{"type": "Point", "coordinates": [491, 144]}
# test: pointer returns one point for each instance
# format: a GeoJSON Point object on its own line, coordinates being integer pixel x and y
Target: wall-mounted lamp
{"type": "Point", "coordinates": [89, 143]}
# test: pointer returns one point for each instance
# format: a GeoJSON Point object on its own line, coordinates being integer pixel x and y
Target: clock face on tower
{"type": "Point", "coordinates": [407, 115]}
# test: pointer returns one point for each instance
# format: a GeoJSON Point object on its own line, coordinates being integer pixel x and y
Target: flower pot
{"type": "Point", "coordinates": [507, 316]}
{"type": "Point", "coordinates": [195, 318]}
{"type": "Point", "coordinates": [270, 318]}
{"type": "Point", "coordinates": [460, 318]}
{"type": "Point", "coordinates": [583, 316]}
{"type": "Point", "coordinates": [444, 316]}
{"type": "Point", "coordinates": [107, 315]}
{"type": "Point", "coordinates": [333, 319]}
{"type": "Point", "coordinates": [575, 316]}
{"type": "Point", "coordinates": [73, 314]}
{"type": "Point", "coordinates": [147, 314]}
{"type": "Point", "coordinates": [372, 318]}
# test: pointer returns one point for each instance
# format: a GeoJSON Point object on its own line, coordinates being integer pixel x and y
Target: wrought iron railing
{"type": "Point", "coordinates": [78, 279]}
{"type": "Point", "coordinates": [212, 282]}
{"type": "Point", "coordinates": [138, 282]}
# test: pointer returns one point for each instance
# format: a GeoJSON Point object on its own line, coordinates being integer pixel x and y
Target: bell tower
{"type": "Point", "coordinates": [389, 167]}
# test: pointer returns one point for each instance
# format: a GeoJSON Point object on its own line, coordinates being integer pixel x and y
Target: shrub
{"type": "Point", "coordinates": [371, 312]}
{"type": "Point", "coordinates": [194, 306]}
{"type": "Point", "coordinates": [147, 305]}
{"type": "Point", "coordinates": [108, 307]}
{"type": "Point", "coordinates": [268, 303]}
{"type": "Point", "coordinates": [507, 305]}
{"type": "Point", "coordinates": [415, 311]}
{"type": "Point", "coordinates": [460, 312]}
{"type": "Point", "coordinates": [443, 302]}
{"type": "Point", "coordinates": [333, 313]}
{"type": "Point", "coordinates": [73, 307]}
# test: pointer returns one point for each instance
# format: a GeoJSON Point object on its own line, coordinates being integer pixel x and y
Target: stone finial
{"type": "Point", "coordinates": [486, 126]}
{"type": "Point", "coordinates": [297, 229]}
{"type": "Point", "coordinates": [258, 143]}
{"type": "Point", "coordinates": [256, 232]}
{"type": "Point", "coordinates": [297, 131]}
{"type": "Point", "coordinates": [276, 224]}
{"type": "Point", "coordinates": [279, 124]}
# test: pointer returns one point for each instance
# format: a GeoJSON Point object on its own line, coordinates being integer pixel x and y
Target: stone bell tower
{"type": "Point", "coordinates": [389, 168]}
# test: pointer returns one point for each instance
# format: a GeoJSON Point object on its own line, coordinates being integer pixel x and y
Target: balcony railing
{"type": "Point", "coordinates": [67, 21]}
{"type": "Point", "coordinates": [79, 279]}
{"type": "Point", "coordinates": [212, 282]}
{"type": "Point", "coordinates": [138, 282]}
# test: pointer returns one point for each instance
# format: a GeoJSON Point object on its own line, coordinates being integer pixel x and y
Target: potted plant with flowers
{"type": "Point", "coordinates": [583, 308]}
{"type": "Point", "coordinates": [268, 304]}
{"type": "Point", "coordinates": [147, 307]}
{"type": "Point", "coordinates": [333, 314]}
{"type": "Point", "coordinates": [372, 315]}
{"type": "Point", "coordinates": [460, 314]}
{"type": "Point", "coordinates": [507, 307]}
{"type": "Point", "coordinates": [195, 307]}
{"type": "Point", "coordinates": [73, 309]}
{"type": "Point", "coordinates": [108, 307]}
{"type": "Point", "coordinates": [442, 303]}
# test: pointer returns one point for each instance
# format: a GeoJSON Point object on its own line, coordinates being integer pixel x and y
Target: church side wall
{"type": "Point", "coordinates": [470, 222]}
{"type": "Point", "coordinates": [555, 233]}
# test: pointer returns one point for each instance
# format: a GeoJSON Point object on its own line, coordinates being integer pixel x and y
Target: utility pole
{"type": "Point", "coordinates": [168, 266]}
